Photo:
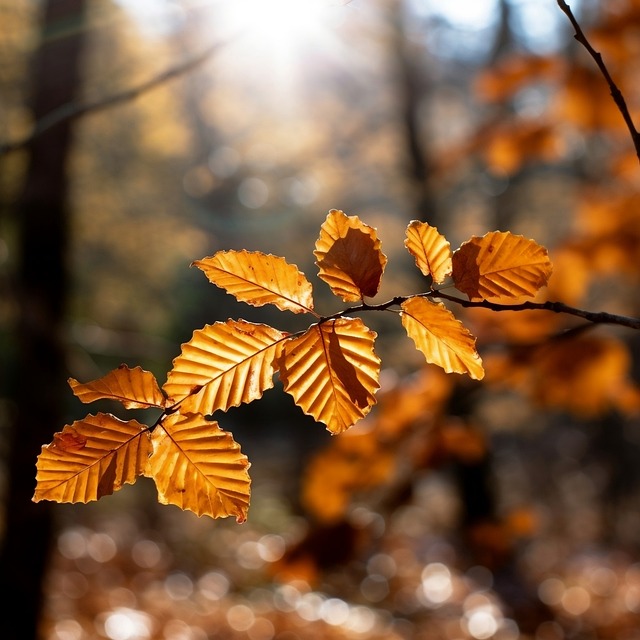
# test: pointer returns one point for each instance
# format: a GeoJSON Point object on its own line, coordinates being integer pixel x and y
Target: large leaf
{"type": "Point", "coordinates": [332, 372]}
{"type": "Point", "coordinates": [223, 365]}
{"type": "Point", "coordinates": [134, 388]}
{"type": "Point", "coordinates": [500, 265]}
{"type": "Point", "coordinates": [91, 458]}
{"type": "Point", "coordinates": [258, 279]}
{"type": "Point", "coordinates": [430, 249]}
{"type": "Point", "coordinates": [349, 257]}
{"type": "Point", "coordinates": [199, 467]}
{"type": "Point", "coordinates": [441, 337]}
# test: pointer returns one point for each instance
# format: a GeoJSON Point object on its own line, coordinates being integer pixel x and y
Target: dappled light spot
{"type": "Point", "coordinates": [127, 624]}
{"type": "Point", "coordinates": [576, 600]}
{"type": "Point", "coordinates": [253, 193]}
{"type": "Point", "coordinates": [382, 564]}
{"type": "Point", "coordinates": [361, 620]}
{"type": "Point", "coordinates": [178, 586]}
{"type": "Point", "coordinates": [271, 547]}
{"type": "Point", "coordinates": [308, 606]}
{"type": "Point", "coordinates": [334, 611]}
{"type": "Point", "coordinates": [213, 585]}
{"type": "Point", "coordinates": [74, 584]}
{"type": "Point", "coordinates": [72, 543]}
{"type": "Point", "coordinates": [67, 630]}
{"type": "Point", "coordinates": [261, 629]}
{"type": "Point", "coordinates": [436, 586]}
{"type": "Point", "coordinates": [146, 554]}
{"type": "Point", "coordinates": [101, 547]}
{"type": "Point", "coordinates": [551, 591]}
{"type": "Point", "coordinates": [248, 555]}
{"type": "Point", "coordinates": [286, 598]}
{"type": "Point", "coordinates": [374, 588]}
{"type": "Point", "coordinates": [240, 617]}
{"type": "Point", "coordinates": [176, 629]}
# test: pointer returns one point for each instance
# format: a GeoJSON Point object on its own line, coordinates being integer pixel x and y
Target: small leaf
{"type": "Point", "coordinates": [441, 337]}
{"type": "Point", "coordinates": [224, 365]}
{"type": "Point", "coordinates": [134, 388]}
{"type": "Point", "coordinates": [431, 250]}
{"type": "Point", "coordinates": [349, 257]}
{"type": "Point", "coordinates": [199, 467]}
{"type": "Point", "coordinates": [500, 265]}
{"type": "Point", "coordinates": [332, 372]}
{"type": "Point", "coordinates": [91, 458]}
{"type": "Point", "coordinates": [258, 279]}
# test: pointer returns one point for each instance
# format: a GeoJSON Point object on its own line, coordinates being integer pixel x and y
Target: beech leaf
{"type": "Point", "coordinates": [442, 338]}
{"type": "Point", "coordinates": [258, 279]}
{"type": "Point", "coordinates": [134, 388]}
{"type": "Point", "coordinates": [224, 365]}
{"type": "Point", "coordinates": [500, 265]}
{"type": "Point", "coordinates": [348, 256]}
{"type": "Point", "coordinates": [91, 458]}
{"type": "Point", "coordinates": [332, 372]}
{"type": "Point", "coordinates": [430, 249]}
{"type": "Point", "coordinates": [199, 467]}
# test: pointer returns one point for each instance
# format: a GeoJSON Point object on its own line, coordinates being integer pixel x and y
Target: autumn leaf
{"type": "Point", "coordinates": [500, 265]}
{"type": "Point", "coordinates": [430, 249]}
{"type": "Point", "coordinates": [199, 467]}
{"type": "Point", "coordinates": [134, 388]}
{"type": "Point", "coordinates": [442, 338]}
{"type": "Point", "coordinates": [348, 256]}
{"type": "Point", "coordinates": [224, 365]}
{"type": "Point", "coordinates": [258, 279]}
{"type": "Point", "coordinates": [331, 371]}
{"type": "Point", "coordinates": [91, 458]}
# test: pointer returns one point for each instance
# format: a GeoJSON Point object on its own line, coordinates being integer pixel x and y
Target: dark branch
{"type": "Point", "coordinates": [594, 317]}
{"type": "Point", "coordinates": [616, 94]}
{"type": "Point", "coordinates": [73, 111]}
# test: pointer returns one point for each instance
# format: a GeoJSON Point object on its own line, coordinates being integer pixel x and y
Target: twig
{"type": "Point", "coordinates": [616, 94]}
{"type": "Point", "coordinates": [73, 111]}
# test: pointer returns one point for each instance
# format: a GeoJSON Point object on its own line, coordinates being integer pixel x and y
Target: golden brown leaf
{"type": "Point", "coordinates": [199, 467]}
{"type": "Point", "coordinates": [134, 388]}
{"type": "Point", "coordinates": [332, 372]}
{"type": "Point", "coordinates": [91, 458]}
{"type": "Point", "coordinates": [431, 250]}
{"type": "Point", "coordinates": [500, 265]}
{"type": "Point", "coordinates": [258, 279]}
{"type": "Point", "coordinates": [441, 337]}
{"type": "Point", "coordinates": [224, 365]}
{"type": "Point", "coordinates": [348, 256]}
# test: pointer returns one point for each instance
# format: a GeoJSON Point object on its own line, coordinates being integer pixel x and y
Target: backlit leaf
{"type": "Point", "coordinates": [348, 256]}
{"type": "Point", "coordinates": [500, 265]}
{"type": "Point", "coordinates": [258, 279]}
{"type": "Point", "coordinates": [224, 365]}
{"type": "Point", "coordinates": [332, 372]}
{"type": "Point", "coordinates": [91, 458]}
{"type": "Point", "coordinates": [134, 388]}
{"type": "Point", "coordinates": [441, 337]}
{"type": "Point", "coordinates": [431, 250]}
{"type": "Point", "coordinates": [199, 467]}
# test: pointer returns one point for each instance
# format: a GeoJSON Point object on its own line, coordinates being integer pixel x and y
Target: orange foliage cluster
{"type": "Point", "coordinates": [330, 369]}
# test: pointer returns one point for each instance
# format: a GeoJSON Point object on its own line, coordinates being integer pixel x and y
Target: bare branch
{"type": "Point", "coordinates": [616, 94]}
{"type": "Point", "coordinates": [73, 111]}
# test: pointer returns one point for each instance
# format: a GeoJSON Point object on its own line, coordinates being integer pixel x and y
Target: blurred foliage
{"type": "Point", "coordinates": [506, 509]}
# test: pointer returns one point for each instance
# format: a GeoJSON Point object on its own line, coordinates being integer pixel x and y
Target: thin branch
{"type": "Point", "coordinates": [73, 111]}
{"type": "Point", "coordinates": [594, 317]}
{"type": "Point", "coordinates": [616, 94]}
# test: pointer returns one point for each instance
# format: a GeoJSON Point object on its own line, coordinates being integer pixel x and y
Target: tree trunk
{"type": "Point", "coordinates": [39, 373]}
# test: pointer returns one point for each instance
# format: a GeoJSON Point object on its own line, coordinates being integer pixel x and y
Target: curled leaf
{"type": "Point", "coordinates": [332, 372]}
{"type": "Point", "coordinates": [441, 337]}
{"type": "Point", "coordinates": [258, 279]}
{"type": "Point", "coordinates": [348, 256]}
{"type": "Point", "coordinates": [91, 458]}
{"type": "Point", "coordinates": [224, 365]}
{"type": "Point", "coordinates": [430, 249]}
{"type": "Point", "coordinates": [134, 388]}
{"type": "Point", "coordinates": [500, 265]}
{"type": "Point", "coordinates": [199, 467]}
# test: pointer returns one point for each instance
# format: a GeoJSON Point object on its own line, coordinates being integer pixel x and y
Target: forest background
{"type": "Point", "coordinates": [138, 137]}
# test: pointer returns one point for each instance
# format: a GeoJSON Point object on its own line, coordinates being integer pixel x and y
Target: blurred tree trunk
{"type": "Point", "coordinates": [38, 387]}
